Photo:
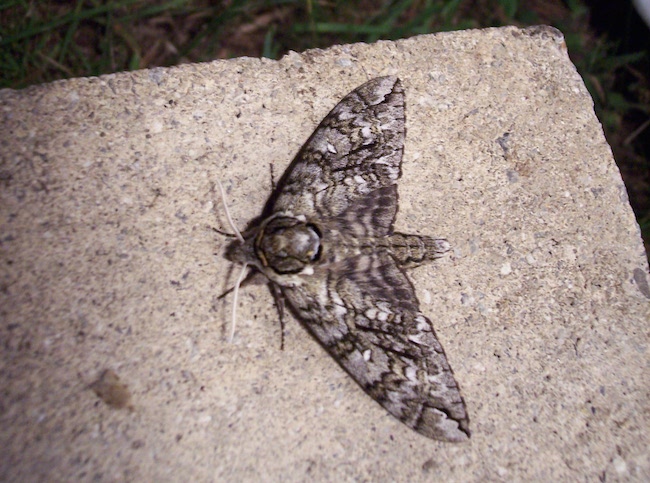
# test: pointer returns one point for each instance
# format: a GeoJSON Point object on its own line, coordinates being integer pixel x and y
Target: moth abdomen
{"type": "Point", "coordinates": [411, 250]}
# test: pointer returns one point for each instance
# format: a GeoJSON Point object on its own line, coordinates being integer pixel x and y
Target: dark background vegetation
{"type": "Point", "coordinates": [607, 41]}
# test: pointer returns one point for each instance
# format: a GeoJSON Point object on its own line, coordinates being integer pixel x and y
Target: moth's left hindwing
{"type": "Point", "coordinates": [325, 238]}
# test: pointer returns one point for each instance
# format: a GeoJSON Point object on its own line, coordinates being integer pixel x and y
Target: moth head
{"type": "Point", "coordinates": [287, 244]}
{"type": "Point", "coordinates": [242, 251]}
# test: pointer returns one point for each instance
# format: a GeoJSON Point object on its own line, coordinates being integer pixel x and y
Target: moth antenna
{"type": "Point", "coordinates": [230, 222]}
{"type": "Point", "coordinates": [235, 295]}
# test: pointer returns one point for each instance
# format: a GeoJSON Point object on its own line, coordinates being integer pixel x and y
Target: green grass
{"type": "Point", "coordinates": [43, 41]}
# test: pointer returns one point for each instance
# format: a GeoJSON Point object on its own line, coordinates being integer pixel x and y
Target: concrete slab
{"type": "Point", "coordinates": [115, 364]}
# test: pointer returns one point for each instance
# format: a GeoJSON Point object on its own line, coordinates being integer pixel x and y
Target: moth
{"type": "Point", "coordinates": [326, 244]}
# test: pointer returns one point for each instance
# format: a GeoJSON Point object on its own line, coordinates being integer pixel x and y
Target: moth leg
{"type": "Point", "coordinates": [272, 177]}
{"type": "Point", "coordinates": [246, 281]}
{"type": "Point", "coordinates": [278, 297]}
{"type": "Point", "coordinates": [223, 233]}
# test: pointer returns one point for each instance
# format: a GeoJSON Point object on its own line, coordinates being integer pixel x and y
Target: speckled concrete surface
{"type": "Point", "coordinates": [115, 364]}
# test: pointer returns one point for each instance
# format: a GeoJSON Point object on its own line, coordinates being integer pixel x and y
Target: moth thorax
{"type": "Point", "coordinates": [287, 244]}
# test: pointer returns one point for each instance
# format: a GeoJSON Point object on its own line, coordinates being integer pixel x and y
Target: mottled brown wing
{"type": "Point", "coordinates": [365, 313]}
{"type": "Point", "coordinates": [355, 151]}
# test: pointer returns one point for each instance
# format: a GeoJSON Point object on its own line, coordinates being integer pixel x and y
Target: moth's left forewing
{"type": "Point", "coordinates": [367, 317]}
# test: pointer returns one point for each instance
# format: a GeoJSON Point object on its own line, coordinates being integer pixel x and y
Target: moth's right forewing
{"type": "Point", "coordinates": [356, 149]}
